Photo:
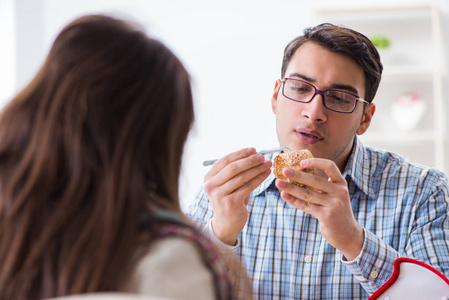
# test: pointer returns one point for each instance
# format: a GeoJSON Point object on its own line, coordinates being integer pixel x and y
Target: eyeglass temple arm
{"type": "Point", "coordinates": [363, 100]}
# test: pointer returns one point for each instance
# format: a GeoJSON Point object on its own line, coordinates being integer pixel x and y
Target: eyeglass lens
{"type": "Point", "coordinates": [304, 92]}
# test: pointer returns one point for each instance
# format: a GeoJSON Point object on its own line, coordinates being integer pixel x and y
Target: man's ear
{"type": "Point", "coordinates": [274, 98]}
{"type": "Point", "coordinates": [366, 118]}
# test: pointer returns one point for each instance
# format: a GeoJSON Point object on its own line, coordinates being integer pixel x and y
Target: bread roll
{"type": "Point", "coordinates": [292, 160]}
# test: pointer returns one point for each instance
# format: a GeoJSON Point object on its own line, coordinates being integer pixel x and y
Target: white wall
{"type": "Point", "coordinates": [233, 50]}
{"type": "Point", "coordinates": [7, 50]}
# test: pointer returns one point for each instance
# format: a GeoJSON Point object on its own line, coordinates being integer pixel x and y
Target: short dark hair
{"type": "Point", "coordinates": [346, 41]}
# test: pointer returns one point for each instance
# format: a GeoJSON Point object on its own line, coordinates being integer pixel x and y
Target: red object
{"type": "Point", "coordinates": [415, 281]}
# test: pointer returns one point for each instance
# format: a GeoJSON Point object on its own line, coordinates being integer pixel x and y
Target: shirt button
{"type": "Point", "coordinates": [308, 259]}
{"type": "Point", "coordinates": [374, 274]}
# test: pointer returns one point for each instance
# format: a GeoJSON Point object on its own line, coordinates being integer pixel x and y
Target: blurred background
{"type": "Point", "coordinates": [233, 51]}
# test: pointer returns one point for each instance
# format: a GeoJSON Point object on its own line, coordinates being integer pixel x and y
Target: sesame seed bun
{"type": "Point", "coordinates": [292, 160]}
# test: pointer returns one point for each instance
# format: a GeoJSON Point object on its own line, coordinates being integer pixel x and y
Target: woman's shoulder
{"type": "Point", "coordinates": [168, 251]}
{"type": "Point", "coordinates": [172, 267]}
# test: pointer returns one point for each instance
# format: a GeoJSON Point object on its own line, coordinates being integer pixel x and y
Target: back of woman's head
{"type": "Point", "coordinates": [92, 142]}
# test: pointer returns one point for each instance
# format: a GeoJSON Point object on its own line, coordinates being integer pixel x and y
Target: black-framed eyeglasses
{"type": "Point", "coordinates": [335, 100]}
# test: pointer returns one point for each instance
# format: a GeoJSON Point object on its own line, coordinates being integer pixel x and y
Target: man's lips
{"type": "Point", "coordinates": [308, 136]}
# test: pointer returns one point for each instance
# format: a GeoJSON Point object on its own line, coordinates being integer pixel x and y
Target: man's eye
{"type": "Point", "coordinates": [300, 89]}
{"type": "Point", "coordinates": [335, 98]}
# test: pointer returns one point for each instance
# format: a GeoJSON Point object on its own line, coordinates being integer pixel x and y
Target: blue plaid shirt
{"type": "Point", "coordinates": [404, 211]}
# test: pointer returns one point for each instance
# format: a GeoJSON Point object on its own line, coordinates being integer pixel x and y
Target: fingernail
{"type": "Point", "coordinates": [260, 157]}
{"type": "Point", "coordinates": [304, 163]}
{"type": "Point", "coordinates": [251, 150]}
{"type": "Point", "coordinates": [281, 183]}
{"type": "Point", "coordinates": [288, 172]}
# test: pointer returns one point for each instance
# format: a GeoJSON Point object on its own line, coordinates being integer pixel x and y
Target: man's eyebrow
{"type": "Point", "coordinates": [302, 76]}
{"type": "Point", "coordinates": [338, 86]}
{"type": "Point", "coordinates": [346, 87]}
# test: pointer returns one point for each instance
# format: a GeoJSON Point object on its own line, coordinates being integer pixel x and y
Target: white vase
{"type": "Point", "coordinates": [407, 110]}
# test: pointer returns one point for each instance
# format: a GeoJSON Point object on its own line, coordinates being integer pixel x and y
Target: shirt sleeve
{"type": "Point", "coordinates": [225, 249]}
{"type": "Point", "coordinates": [201, 213]}
{"type": "Point", "coordinates": [200, 210]}
{"type": "Point", "coordinates": [375, 263]}
{"type": "Point", "coordinates": [427, 239]}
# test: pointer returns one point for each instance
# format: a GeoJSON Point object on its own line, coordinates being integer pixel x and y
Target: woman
{"type": "Point", "coordinates": [90, 155]}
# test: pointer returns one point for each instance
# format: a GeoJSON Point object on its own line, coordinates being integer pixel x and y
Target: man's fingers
{"type": "Point", "coordinates": [239, 168]}
{"type": "Point", "coordinates": [311, 180]}
{"type": "Point", "coordinates": [245, 179]}
{"type": "Point", "coordinates": [251, 185]}
{"type": "Point", "coordinates": [224, 184]}
{"type": "Point", "coordinates": [298, 203]}
{"type": "Point", "coordinates": [328, 166]}
{"type": "Point", "coordinates": [226, 160]}
{"type": "Point", "coordinates": [301, 193]}
{"type": "Point", "coordinates": [323, 183]}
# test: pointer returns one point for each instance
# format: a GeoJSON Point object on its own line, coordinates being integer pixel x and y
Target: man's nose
{"type": "Point", "coordinates": [315, 110]}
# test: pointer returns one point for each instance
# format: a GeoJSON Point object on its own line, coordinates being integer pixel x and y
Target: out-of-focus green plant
{"type": "Point", "coordinates": [380, 41]}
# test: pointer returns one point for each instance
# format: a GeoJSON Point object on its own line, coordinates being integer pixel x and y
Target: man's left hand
{"type": "Point", "coordinates": [329, 202]}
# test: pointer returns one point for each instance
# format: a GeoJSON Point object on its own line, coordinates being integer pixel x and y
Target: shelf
{"type": "Point", "coordinates": [376, 12]}
{"type": "Point", "coordinates": [399, 136]}
{"type": "Point", "coordinates": [412, 65]}
{"type": "Point", "coordinates": [374, 9]}
{"type": "Point", "coordinates": [407, 70]}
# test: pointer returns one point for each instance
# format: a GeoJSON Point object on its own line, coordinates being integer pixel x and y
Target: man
{"type": "Point", "coordinates": [368, 207]}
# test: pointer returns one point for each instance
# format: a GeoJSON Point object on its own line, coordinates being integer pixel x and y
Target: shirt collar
{"type": "Point", "coordinates": [357, 169]}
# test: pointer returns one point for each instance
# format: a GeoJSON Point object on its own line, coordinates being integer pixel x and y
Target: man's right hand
{"type": "Point", "coordinates": [229, 184]}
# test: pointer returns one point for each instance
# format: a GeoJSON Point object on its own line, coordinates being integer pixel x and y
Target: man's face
{"type": "Point", "coordinates": [327, 134]}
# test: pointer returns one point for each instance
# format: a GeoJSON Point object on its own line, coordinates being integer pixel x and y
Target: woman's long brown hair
{"type": "Point", "coordinates": [94, 141]}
